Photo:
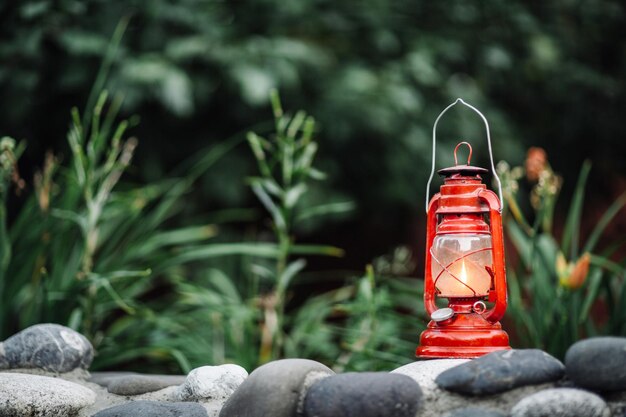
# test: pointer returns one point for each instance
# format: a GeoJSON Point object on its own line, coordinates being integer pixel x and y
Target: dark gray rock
{"type": "Point", "coordinates": [128, 383]}
{"type": "Point", "coordinates": [138, 384]}
{"type": "Point", "coordinates": [501, 371]}
{"type": "Point", "coordinates": [474, 412]}
{"type": "Point", "coordinates": [598, 363]}
{"type": "Point", "coordinates": [367, 394]}
{"type": "Point", "coordinates": [616, 401]}
{"type": "Point", "coordinates": [153, 409]}
{"type": "Point", "coordinates": [561, 402]}
{"type": "Point", "coordinates": [276, 389]}
{"type": "Point", "coordinates": [50, 347]}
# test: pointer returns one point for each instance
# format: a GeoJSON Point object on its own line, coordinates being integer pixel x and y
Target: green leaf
{"type": "Point", "coordinates": [75, 218]}
{"type": "Point", "coordinates": [269, 204]}
{"type": "Point", "coordinates": [326, 209]}
{"type": "Point", "coordinates": [296, 124]}
{"type": "Point", "coordinates": [255, 144]}
{"type": "Point", "coordinates": [604, 221]}
{"type": "Point", "coordinates": [224, 284]}
{"type": "Point", "coordinates": [293, 195]}
{"type": "Point", "coordinates": [182, 236]}
{"type": "Point", "coordinates": [607, 264]}
{"type": "Point", "coordinates": [571, 232]}
{"type": "Point", "coordinates": [263, 250]}
{"type": "Point", "coordinates": [521, 241]}
{"type": "Point", "coordinates": [305, 160]}
{"type": "Point", "coordinates": [316, 174]}
{"type": "Point", "coordinates": [289, 273]}
{"type": "Point", "coordinates": [594, 280]}
{"type": "Point", "coordinates": [316, 250]}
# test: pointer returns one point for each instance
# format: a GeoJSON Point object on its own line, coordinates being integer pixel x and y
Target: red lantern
{"type": "Point", "coordinates": [464, 262]}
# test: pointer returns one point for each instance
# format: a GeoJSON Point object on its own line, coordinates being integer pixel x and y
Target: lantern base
{"type": "Point", "coordinates": [464, 336]}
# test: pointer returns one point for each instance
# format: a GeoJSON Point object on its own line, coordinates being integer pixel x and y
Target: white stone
{"type": "Point", "coordinates": [209, 383]}
{"type": "Point", "coordinates": [436, 401]}
{"type": "Point", "coordinates": [23, 395]}
{"type": "Point", "coordinates": [425, 372]}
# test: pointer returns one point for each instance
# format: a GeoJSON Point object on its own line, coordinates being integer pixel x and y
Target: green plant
{"type": "Point", "coordinates": [285, 163]}
{"type": "Point", "coordinates": [247, 308]}
{"type": "Point", "coordinates": [248, 315]}
{"type": "Point", "coordinates": [383, 319]}
{"type": "Point", "coordinates": [557, 282]}
{"type": "Point", "coordinates": [82, 253]}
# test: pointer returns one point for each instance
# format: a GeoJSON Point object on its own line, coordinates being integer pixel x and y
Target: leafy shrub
{"type": "Point", "coordinates": [558, 282]}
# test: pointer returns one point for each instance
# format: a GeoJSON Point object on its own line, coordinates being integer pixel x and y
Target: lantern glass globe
{"type": "Point", "coordinates": [460, 265]}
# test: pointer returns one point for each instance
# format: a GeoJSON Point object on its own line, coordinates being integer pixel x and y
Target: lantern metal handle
{"type": "Point", "coordinates": [493, 168]}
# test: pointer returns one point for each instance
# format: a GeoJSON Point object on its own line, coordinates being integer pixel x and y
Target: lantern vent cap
{"type": "Point", "coordinates": [464, 170]}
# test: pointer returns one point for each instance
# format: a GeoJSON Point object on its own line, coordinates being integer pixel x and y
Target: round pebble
{"type": "Point", "coordinates": [365, 394]}
{"type": "Point", "coordinates": [598, 363]}
{"type": "Point", "coordinates": [212, 383]}
{"type": "Point", "coordinates": [50, 347]}
{"type": "Point", "coordinates": [501, 371]}
{"type": "Point", "coordinates": [276, 389]}
{"type": "Point", "coordinates": [561, 402]}
{"type": "Point", "coordinates": [24, 395]}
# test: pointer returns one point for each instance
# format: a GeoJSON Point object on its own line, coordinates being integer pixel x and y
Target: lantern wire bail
{"type": "Point", "coordinates": [493, 168]}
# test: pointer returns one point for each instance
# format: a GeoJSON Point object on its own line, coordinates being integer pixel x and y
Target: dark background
{"type": "Point", "coordinates": [374, 74]}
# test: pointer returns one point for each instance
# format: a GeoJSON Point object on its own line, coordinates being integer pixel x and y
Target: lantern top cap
{"type": "Point", "coordinates": [464, 170]}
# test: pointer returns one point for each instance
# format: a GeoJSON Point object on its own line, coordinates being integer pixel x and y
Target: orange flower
{"type": "Point", "coordinates": [536, 163]}
{"type": "Point", "coordinates": [573, 275]}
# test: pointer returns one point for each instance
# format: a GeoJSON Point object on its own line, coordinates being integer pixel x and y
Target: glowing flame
{"type": "Point", "coordinates": [463, 274]}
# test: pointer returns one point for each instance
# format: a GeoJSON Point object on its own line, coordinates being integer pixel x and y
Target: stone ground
{"type": "Point", "coordinates": [44, 372]}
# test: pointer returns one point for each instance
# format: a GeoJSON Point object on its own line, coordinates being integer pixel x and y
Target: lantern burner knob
{"type": "Point", "coordinates": [442, 314]}
{"type": "Point", "coordinates": [479, 307]}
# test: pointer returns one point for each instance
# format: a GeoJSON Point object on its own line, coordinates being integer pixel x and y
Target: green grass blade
{"type": "Point", "coordinates": [317, 250]}
{"type": "Point", "coordinates": [604, 221]}
{"type": "Point", "coordinates": [571, 232]}
{"type": "Point", "coordinates": [103, 71]}
{"type": "Point", "coordinates": [593, 286]}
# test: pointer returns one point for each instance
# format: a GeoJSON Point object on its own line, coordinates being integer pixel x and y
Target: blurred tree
{"type": "Point", "coordinates": [374, 74]}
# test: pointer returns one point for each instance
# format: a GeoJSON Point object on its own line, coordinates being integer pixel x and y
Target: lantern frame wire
{"type": "Point", "coordinates": [493, 168]}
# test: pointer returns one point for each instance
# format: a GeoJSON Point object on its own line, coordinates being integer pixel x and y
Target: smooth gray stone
{"type": "Point", "coordinates": [561, 402]}
{"type": "Point", "coordinates": [153, 409]}
{"type": "Point", "coordinates": [474, 412]}
{"type": "Point", "coordinates": [598, 363]}
{"type": "Point", "coordinates": [128, 383]}
{"type": "Point", "coordinates": [438, 402]}
{"type": "Point", "coordinates": [50, 347]}
{"type": "Point", "coordinates": [25, 395]}
{"type": "Point", "coordinates": [276, 389]}
{"type": "Point", "coordinates": [366, 394]}
{"type": "Point", "coordinates": [501, 371]}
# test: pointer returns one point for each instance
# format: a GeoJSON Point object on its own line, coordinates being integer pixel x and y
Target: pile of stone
{"type": "Point", "coordinates": [43, 372]}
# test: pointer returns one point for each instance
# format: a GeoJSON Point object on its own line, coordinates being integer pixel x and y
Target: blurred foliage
{"type": "Point", "coordinates": [102, 257]}
{"type": "Point", "coordinates": [564, 288]}
{"type": "Point", "coordinates": [374, 73]}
